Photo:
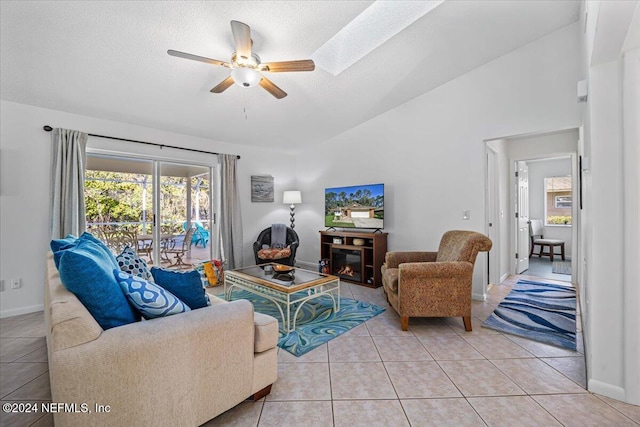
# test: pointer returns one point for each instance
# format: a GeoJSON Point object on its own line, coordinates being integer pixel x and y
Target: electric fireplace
{"type": "Point", "coordinates": [346, 263]}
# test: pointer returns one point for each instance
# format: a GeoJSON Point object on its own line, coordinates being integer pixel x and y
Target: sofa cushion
{"type": "Point", "coordinates": [130, 262]}
{"type": "Point", "coordinates": [185, 285]}
{"type": "Point", "coordinates": [274, 253]}
{"type": "Point", "coordinates": [150, 299]}
{"type": "Point", "coordinates": [86, 269]}
{"type": "Point", "coordinates": [390, 279]}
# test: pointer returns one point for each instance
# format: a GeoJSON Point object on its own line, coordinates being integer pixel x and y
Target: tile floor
{"type": "Point", "coordinates": [541, 267]}
{"type": "Point", "coordinates": [436, 374]}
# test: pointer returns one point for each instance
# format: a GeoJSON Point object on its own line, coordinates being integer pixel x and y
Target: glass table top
{"type": "Point", "coordinates": [296, 277]}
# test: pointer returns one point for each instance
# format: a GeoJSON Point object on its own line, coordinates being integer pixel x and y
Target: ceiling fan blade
{"type": "Point", "coordinates": [278, 67]}
{"type": "Point", "coordinates": [198, 58]}
{"type": "Point", "coordinates": [242, 37]}
{"type": "Point", "coordinates": [271, 87]}
{"type": "Point", "coordinates": [223, 85]}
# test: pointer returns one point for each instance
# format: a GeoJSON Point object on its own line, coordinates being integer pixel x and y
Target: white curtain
{"type": "Point", "coordinates": [230, 219]}
{"type": "Point", "coordinates": [68, 159]}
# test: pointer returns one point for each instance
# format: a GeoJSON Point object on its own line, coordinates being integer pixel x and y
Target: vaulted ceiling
{"type": "Point", "coordinates": [109, 59]}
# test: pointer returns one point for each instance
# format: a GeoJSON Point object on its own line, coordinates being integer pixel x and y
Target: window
{"type": "Point", "coordinates": [563, 202]}
{"type": "Point", "coordinates": [558, 200]}
{"type": "Point", "coordinates": [124, 208]}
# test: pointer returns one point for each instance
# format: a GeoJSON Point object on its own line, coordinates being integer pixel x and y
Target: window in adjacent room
{"type": "Point", "coordinates": [558, 200]}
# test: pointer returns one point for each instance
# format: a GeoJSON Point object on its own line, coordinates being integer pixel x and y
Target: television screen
{"type": "Point", "coordinates": [358, 206]}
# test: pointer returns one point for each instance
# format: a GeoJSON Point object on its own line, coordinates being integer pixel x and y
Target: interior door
{"type": "Point", "coordinates": [522, 217]}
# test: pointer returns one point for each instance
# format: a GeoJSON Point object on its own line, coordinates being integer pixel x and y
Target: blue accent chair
{"type": "Point", "coordinates": [201, 235]}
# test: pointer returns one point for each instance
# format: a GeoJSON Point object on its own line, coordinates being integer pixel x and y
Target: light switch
{"type": "Point", "coordinates": [466, 215]}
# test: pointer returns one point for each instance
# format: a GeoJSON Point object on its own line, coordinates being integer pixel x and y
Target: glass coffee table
{"type": "Point", "coordinates": [284, 290]}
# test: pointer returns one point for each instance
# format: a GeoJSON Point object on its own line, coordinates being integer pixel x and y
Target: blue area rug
{"type": "Point", "coordinates": [316, 323]}
{"type": "Point", "coordinates": [538, 311]}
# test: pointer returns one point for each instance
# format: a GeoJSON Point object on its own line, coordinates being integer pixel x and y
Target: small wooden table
{"type": "Point", "coordinates": [300, 287]}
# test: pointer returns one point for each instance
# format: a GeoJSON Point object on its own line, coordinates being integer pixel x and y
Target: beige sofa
{"type": "Point", "coordinates": [179, 370]}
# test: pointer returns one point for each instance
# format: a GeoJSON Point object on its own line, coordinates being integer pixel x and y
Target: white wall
{"type": "Point", "coordinates": [610, 297]}
{"type": "Point", "coordinates": [24, 191]}
{"type": "Point", "coordinates": [429, 152]}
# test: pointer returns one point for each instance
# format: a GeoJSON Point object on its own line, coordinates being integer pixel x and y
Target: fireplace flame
{"type": "Point", "coordinates": [346, 270]}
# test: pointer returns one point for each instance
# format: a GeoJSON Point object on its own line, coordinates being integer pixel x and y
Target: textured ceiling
{"type": "Point", "coordinates": [108, 59]}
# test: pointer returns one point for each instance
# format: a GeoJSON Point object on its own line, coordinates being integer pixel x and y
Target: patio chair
{"type": "Point", "coordinates": [116, 239]}
{"type": "Point", "coordinates": [178, 247]}
{"type": "Point", "coordinates": [201, 234]}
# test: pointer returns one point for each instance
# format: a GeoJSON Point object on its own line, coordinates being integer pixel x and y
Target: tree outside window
{"type": "Point", "coordinates": [558, 200]}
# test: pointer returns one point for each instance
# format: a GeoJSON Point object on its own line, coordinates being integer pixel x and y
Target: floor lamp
{"type": "Point", "coordinates": [292, 198]}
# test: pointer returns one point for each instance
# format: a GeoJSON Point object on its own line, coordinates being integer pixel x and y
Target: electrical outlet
{"type": "Point", "coordinates": [16, 283]}
{"type": "Point", "coordinates": [466, 215]}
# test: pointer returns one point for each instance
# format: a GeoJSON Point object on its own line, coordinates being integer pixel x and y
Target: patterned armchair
{"type": "Point", "coordinates": [434, 284]}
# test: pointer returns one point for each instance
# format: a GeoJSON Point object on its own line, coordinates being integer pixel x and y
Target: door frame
{"type": "Point", "coordinates": [493, 214]}
{"type": "Point", "coordinates": [510, 244]}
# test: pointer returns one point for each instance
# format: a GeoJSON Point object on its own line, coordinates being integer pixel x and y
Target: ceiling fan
{"type": "Point", "coordinates": [246, 67]}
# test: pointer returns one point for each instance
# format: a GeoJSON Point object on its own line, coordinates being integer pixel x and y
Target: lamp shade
{"type": "Point", "coordinates": [292, 197]}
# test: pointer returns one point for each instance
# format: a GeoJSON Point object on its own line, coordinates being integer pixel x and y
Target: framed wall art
{"type": "Point", "coordinates": [262, 188]}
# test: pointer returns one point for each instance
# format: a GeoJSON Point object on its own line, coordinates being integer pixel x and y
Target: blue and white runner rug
{"type": "Point", "coordinates": [539, 311]}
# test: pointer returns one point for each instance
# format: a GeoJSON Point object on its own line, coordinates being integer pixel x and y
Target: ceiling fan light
{"type": "Point", "coordinates": [245, 77]}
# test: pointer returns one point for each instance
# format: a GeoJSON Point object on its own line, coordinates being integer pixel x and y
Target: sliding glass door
{"type": "Point", "coordinates": [164, 210]}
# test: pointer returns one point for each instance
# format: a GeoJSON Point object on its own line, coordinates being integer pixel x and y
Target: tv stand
{"type": "Point", "coordinates": [365, 259]}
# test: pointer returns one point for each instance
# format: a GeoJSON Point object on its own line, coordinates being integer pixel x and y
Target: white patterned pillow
{"type": "Point", "coordinates": [148, 298]}
{"type": "Point", "coordinates": [130, 262]}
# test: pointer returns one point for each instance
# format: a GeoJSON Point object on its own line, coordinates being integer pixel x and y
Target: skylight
{"type": "Point", "coordinates": [369, 30]}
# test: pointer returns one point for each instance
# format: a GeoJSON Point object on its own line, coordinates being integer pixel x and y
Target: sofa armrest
{"type": "Point", "coordinates": [168, 367]}
{"type": "Point", "coordinates": [394, 259]}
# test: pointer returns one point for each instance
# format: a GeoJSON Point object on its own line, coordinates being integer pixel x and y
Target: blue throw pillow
{"type": "Point", "coordinates": [60, 245]}
{"type": "Point", "coordinates": [57, 244]}
{"type": "Point", "coordinates": [87, 271]}
{"type": "Point", "coordinates": [150, 299]}
{"type": "Point", "coordinates": [185, 285]}
{"type": "Point", "coordinates": [130, 262]}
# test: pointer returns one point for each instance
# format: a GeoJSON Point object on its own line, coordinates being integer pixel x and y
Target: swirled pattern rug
{"type": "Point", "coordinates": [316, 323]}
{"type": "Point", "coordinates": [539, 311]}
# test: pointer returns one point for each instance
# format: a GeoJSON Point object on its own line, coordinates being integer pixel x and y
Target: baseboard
{"type": "Point", "coordinates": [605, 389]}
{"type": "Point", "coordinates": [22, 310]}
{"type": "Point", "coordinates": [313, 266]}
{"type": "Point", "coordinates": [503, 277]}
{"type": "Point", "coordinates": [479, 297]}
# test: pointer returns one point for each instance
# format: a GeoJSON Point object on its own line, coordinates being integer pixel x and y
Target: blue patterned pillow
{"type": "Point", "coordinates": [130, 262]}
{"type": "Point", "coordinates": [150, 299]}
{"type": "Point", "coordinates": [185, 285]}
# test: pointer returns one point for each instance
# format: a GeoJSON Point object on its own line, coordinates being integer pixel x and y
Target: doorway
{"type": "Point", "coordinates": [513, 200]}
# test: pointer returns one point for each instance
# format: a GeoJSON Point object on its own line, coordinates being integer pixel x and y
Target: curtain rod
{"type": "Point", "coordinates": [48, 128]}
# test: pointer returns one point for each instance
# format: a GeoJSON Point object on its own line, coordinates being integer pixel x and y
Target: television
{"type": "Point", "coordinates": [357, 206]}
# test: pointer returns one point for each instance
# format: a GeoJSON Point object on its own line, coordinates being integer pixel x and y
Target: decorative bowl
{"type": "Point", "coordinates": [279, 268]}
{"type": "Point", "coordinates": [358, 242]}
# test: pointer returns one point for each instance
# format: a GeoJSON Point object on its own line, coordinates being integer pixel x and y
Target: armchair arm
{"type": "Point", "coordinates": [435, 270]}
{"type": "Point", "coordinates": [394, 259]}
